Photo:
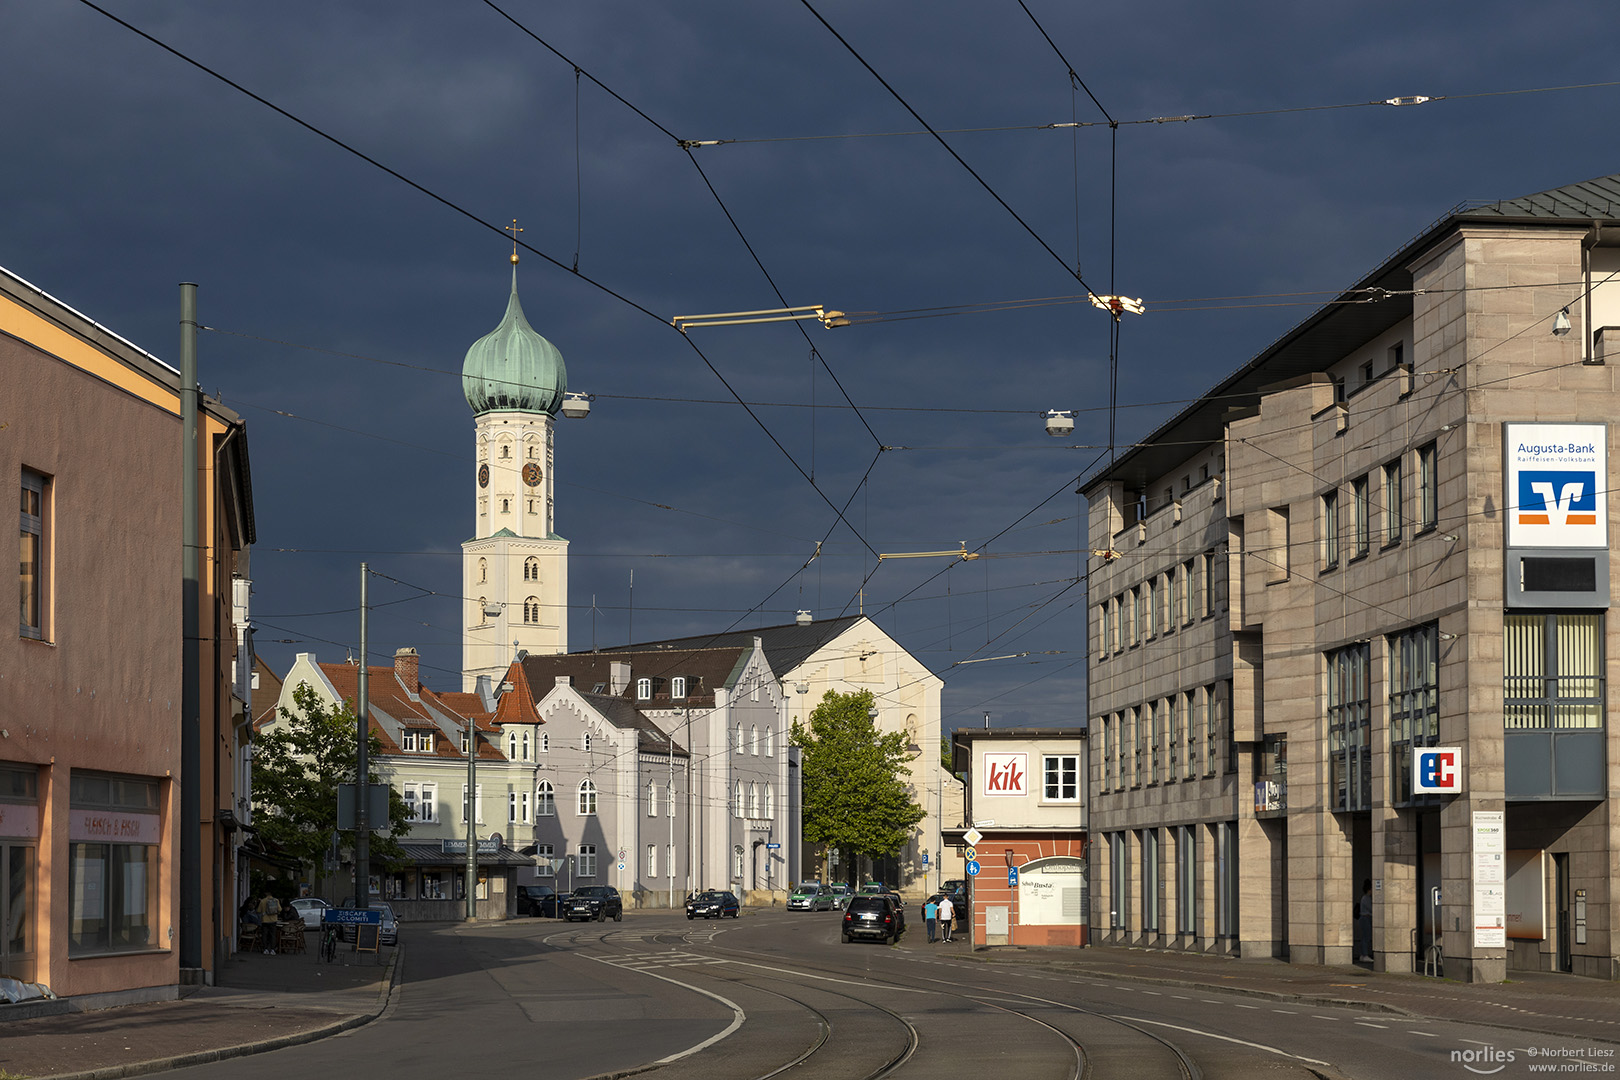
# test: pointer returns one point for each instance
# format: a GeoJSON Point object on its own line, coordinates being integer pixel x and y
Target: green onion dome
{"type": "Point", "coordinates": [513, 368]}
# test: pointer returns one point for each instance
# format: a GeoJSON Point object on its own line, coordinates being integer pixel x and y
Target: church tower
{"type": "Point", "coordinates": [515, 567]}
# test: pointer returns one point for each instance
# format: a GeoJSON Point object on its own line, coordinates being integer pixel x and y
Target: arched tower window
{"type": "Point", "coordinates": [531, 609]}
{"type": "Point", "coordinates": [506, 506]}
{"type": "Point", "coordinates": [531, 569]}
{"type": "Point", "coordinates": [483, 571]}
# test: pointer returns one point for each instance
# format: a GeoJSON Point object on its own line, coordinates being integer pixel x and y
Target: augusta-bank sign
{"type": "Point", "coordinates": [1557, 486]}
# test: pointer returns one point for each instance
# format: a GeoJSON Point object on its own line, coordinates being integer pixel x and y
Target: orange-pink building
{"type": "Point", "coordinates": [90, 685]}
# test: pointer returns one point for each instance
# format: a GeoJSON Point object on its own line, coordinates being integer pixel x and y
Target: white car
{"type": "Point", "coordinates": [309, 909]}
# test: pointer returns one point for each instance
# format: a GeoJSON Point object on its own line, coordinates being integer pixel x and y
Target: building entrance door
{"type": "Point", "coordinates": [17, 865]}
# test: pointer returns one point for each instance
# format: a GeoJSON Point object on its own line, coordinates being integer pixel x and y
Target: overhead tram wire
{"type": "Point", "coordinates": [687, 145]}
{"type": "Point", "coordinates": [1074, 273]}
{"type": "Point", "coordinates": [492, 227]}
{"type": "Point", "coordinates": [1400, 101]}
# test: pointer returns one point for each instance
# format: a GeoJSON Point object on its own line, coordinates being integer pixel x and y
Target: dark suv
{"type": "Point", "coordinates": [599, 902]}
{"type": "Point", "coordinates": [537, 900]}
{"type": "Point", "coordinates": [872, 916]}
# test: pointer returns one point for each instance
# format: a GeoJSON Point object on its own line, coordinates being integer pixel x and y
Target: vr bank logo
{"type": "Point", "coordinates": [1561, 497]}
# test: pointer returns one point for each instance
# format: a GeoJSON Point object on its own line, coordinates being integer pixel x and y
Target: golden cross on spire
{"type": "Point", "coordinates": [514, 230]}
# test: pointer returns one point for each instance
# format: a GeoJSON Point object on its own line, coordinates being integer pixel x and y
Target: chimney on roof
{"type": "Point", "coordinates": [484, 687]}
{"type": "Point", "coordinates": [619, 676]}
{"type": "Point", "coordinates": [405, 667]}
{"type": "Point", "coordinates": [803, 618]}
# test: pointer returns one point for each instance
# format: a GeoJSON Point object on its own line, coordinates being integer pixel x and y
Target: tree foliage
{"type": "Point", "coordinates": [297, 767]}
{"type": "Point", "coordinates": [855, 792]}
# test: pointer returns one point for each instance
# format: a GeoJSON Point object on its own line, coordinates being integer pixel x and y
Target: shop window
{"type": "Point", "coordinates": [113, 866]}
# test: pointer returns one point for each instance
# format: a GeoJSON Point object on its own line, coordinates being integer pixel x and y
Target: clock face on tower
{"type": "Point", "coordinates": [531, 474]}
{"type": "Point", "coordinates": [483, 476]}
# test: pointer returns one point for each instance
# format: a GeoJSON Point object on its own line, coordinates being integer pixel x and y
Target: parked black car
{"type": "Point", "coordinates": [537, 900]}
{"type": "Point", "coordinates": [599, 902]}
{"type": "Point", "coordinates": [714, 905]}
{"type": "Point", "coordinates": [873, 916]}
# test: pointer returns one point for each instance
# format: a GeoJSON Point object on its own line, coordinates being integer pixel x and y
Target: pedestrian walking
{"type": "Point", "coordinates": [931, 916]}
{"type": "Point", "coordinates": [1364, 923]}
{"type": "Point", "coordinates": [947, 912]}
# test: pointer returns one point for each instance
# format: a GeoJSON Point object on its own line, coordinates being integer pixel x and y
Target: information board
{"type": "Point", "coordinates": [1490, 880]}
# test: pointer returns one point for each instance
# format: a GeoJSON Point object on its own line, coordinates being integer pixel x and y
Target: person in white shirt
{"type": "Point", "coordinates": [947, 911]}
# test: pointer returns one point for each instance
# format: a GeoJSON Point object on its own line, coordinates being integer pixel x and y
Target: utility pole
{"type": "Point", "coordinates": [190, 646]}
{"type": "Point", "coordinates": [362, 771]}
{"type": "Point", "coordinates": [472, 820]}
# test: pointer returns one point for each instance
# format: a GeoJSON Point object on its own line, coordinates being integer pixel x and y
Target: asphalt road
{"type": "Point", "coordinates": [776, 991]}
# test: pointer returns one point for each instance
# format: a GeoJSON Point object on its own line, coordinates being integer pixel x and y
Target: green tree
{"type": "Point", "coordinates": [855, 793]}
{"type": "Point", "coordinates": [297, 767]}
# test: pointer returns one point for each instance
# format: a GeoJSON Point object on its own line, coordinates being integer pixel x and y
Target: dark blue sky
{"type": "Point", "coordinates": [128, 171]}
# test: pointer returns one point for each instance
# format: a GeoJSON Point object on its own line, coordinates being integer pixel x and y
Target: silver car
{"type": "Point", "coordinates": [309, 909]}
{"type": "Point", "coordinates": [388, 933]}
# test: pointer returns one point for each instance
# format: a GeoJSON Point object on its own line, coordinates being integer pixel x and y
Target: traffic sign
{"type": "Point", "coordinates": [621, 866]}
{"type": "Point", "coordinates": [972, 868]}
{"type": "Point", "coordinates": [925, 858]}
{"type": "Point", "coordinates": [973, 836]}
{"type": "Point", "coordinates": [1012, 876]}
{"type": "Point", "coordinates": [972, 854]}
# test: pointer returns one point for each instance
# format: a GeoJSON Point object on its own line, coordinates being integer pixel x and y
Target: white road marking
{"type": "Point", "coordinates": [1226, 1038]}
{"type": "Point", "coordinates": [737, 1015]}
{"type": "Point", "coordinates": [1380, 1027]}
{"type": "Point", "coordinates": [1425, 1034]}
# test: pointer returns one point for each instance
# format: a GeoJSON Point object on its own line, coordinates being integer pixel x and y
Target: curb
{"type": "Point", "coordinates": [386, 996]}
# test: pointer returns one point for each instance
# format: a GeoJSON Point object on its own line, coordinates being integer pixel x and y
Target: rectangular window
{"type": "Point", "coordinates": [1191, 750]}
{"type": "Point", "coordinates": [1187, 592]}
{"type": "Point", "coordinates": [422, 802]}
{"type": "Point", "coordinates": [652, 860]}
{"type": "Point", "coordinates": [1173, 722]}
{"type": "Point", "coordinates": [1121, 776]}
{"type": "Point", "coordinates": [1212, 721]}
{"type": "Point", "coordinates": [585, 865]}
{"type": "Point", "coordinates": [478, 797]}
{"type": "Point", "coordinates": [1226, 880]}
{"type": "Point", "coordinates": [652, 798]}
{"type": "Point", "coordinates": [1151, 609]}
{"type": "Point", "coordinates": [32, 576]}
{"type": "Point", "coordinates": [1208, 599]}
{"type": "Point", "coordinates": [1552, 672]}
{"type": "Point", "coordinates": [1414, 704]}
{"type": "Point", "coordinates": [517, 807]}
{"type": "Point", "coordinates": [1428, 488]}
{"type": "Point", "coordinates": [1107, 770]}
{"type": "Point", "coordinates": [677, 686]}
{"type": "Point", "coordinates": [1138, 619]}
{"type": "Point", "coordinates": [1394, 500]}
{"type": "Point", "coordinates": [1349, 714]}
{"type": "Point", "coordinates": [1119, 882]}
{"type": "Point", "coordinates": [113, 888]}
{"type": "Point", "coordinates": [1140, 726]}
{"type": "Point", "coordinates": [1363, 526]}
{"type": "Point", "coordinates": [1062, 777]}
{"type": "Point", "coordinates": [1186, 881]}
{"type": "Point", "coordinates": [1156, 726]}
{"type": "Point", "coordinates": [1111, 626]}
{"type": "Point", "coordinates": [643, 689]}
{"type": "Point", "coordinates": [1150, 881]}
{"type": "Point", "coordinates": [543, 854]}
{"type": "Point", "coordinates": [1330, 529]}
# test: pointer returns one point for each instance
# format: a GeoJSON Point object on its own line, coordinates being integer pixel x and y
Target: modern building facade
{"type": "Point", "coordinates": [1351, 629]}
{"type": "Point", "coordinates": [91, 685]}
{"type": "Point", "coordinates": [1026, 809]}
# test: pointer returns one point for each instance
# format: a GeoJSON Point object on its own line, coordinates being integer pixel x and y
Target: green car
{"type": "Point", "coordinates": [811, 897]}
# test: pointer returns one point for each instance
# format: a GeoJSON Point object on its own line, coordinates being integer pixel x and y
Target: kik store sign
{"type": "Point", "coordinates": [1557, 489]}
{"type": "Point", "coordinates": [1005, 774]}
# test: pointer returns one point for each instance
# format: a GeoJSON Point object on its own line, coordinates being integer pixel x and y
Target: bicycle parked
{"type": "Point", "coordinates": [329, 941]}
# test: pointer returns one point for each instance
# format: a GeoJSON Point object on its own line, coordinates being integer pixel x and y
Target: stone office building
{"type": "Point", "coordinates": [1353, 624]}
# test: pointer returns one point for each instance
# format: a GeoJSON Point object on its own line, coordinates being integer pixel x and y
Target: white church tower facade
{"type": "Point", "coordinates": [515, 566]}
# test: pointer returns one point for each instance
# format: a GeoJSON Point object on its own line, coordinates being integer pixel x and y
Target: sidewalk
{"type": "Point", "coordinates": [1529, 1001]}
{"type": "Point", "coordinates": [260, 1003]}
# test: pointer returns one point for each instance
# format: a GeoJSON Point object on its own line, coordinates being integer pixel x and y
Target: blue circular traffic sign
{"type": "Point", "coordinates": [972, 868]}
